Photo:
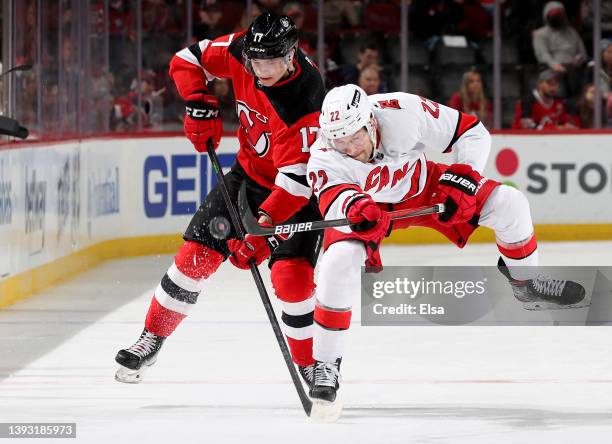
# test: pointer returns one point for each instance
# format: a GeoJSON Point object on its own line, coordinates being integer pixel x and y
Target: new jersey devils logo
{"type": "Point", "coordinates": [254, 126]}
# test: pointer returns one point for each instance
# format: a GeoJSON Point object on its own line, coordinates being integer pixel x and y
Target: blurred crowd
{"type": "Point", "coordinates": [546, 60]}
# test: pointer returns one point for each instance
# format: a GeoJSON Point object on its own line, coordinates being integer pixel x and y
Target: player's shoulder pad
{"type": "Point", "coordinates": [235, 47]}
{"type": "Point", "coordinates": [300, 95]}
{"type": "Point", "coordinates": [396, 106]}
{"type": "Point", "coordinates": [394, 101]}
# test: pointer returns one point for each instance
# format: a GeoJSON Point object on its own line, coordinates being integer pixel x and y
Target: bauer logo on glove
{"type": "Point", "coordinates": [463, 183]}
{"type": "Point", "coordinates": [458, 187]}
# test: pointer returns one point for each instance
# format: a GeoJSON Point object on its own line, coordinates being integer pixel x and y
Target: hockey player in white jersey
{"type": "Point", "coordinates": [370, 158]}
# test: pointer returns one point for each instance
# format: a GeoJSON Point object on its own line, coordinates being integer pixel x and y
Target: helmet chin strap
{"type": "Point", "coordinates": [372, 131]}
{"type": "Point", "coordinates": [289, 60]}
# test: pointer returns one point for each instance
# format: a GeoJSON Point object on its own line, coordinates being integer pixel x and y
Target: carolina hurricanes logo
{"type": "Point", "coordinates": [380, 177]}
{"type": "Point", "coordinates": [254, 126]}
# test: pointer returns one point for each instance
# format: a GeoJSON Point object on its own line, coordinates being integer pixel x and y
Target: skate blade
{"type": "Point", "coordinates": [129, 376]}
{"type": "Point", "coordinates": [325, 411]}
{"type": "Point", "coordinates": [545, 305]}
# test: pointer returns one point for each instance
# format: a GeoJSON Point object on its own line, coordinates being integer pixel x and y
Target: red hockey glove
{"type": "Point", "coordinates": [370, 222]}
{"type": "Point", "coordinates": [252, 247]}
{"type": "Point", "coordinates": [457, 188]}
{"type": "Point", "coordinates": [258, 248]}
{"type": "Point", "coordinates": [202, 120]}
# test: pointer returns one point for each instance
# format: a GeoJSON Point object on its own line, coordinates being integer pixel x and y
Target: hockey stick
{"type": "Point", "coordinates": [252, 227]}
{"type": "Point", "coordinates": [306, 402]}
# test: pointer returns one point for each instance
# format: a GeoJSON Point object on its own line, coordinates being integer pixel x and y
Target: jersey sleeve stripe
{"type": "Point", "coordinates": [464, 123]}
{"type": "Point", "coordinates": [300, 178]}
{"type": "Point", "coordinates": [292, 186]}
{"type": "Point", "coordinates": [190, 55]}
{"type": "Point", "coordinates": [298, 169]}
{"type": "Point", "coordinates": [329, 195]}
{"type": "Point", "coordinates": [230, 39]}
{"type": "Point", "coordinates": [196, 51]}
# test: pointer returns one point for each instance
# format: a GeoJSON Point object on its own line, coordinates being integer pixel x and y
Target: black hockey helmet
{"type": "Point", "coordinates": [269, 36]}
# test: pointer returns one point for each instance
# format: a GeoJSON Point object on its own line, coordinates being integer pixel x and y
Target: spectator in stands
{"type": "Point", "coordinates": [369, 79]}
{"type": "Point", "coordinates": [340, 14]}
{"type": "Point", "coordinates": [256, 11]}
{"type": "Point", "coordinates": [586, 107]}
{"type": "Point", "coordinates": [307, 40]}
{"type": "Point", "coordinates": [519, 23]}
{"type": "Point", "coordinates": [333, 74]}
{"type": "Point", "coordinates": [26, 112]}
{"type": "Point", "coordinates": [477, 24]}
{"type": "Point", "coordinates": [605, 73]}
{"type": "Point", "coordinates": [542, 109]}
{"type": "Point", "coordinates": [125, 111]}
{"type": "Point", "coordinates": [471, 98]}
{"type": "Point", "coordinates": [368, 55]}
{"type": "Point", "coordinates": [157, 15]}
{"type": "Point", "coordinates": [208, 26]}
{"type": "Point", "coordinates": [586, 14]}
{"type": "Point", "coordinates": [122, 38]}
{"type": "Point", "coordinates": [559, 46]}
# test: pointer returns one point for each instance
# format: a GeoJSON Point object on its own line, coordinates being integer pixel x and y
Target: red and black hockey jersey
{"type": "Point", "coordinates": [277, 124]}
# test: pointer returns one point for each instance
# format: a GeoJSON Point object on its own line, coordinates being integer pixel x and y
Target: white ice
{"type": "Point", "coordinates": [220, 378]}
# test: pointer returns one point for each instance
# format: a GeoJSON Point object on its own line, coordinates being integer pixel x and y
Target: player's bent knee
{"type": "Point", "coordinates": [510, 202]}
{"type": "Point", "coordinates": [344, 256]}
{"type": "Point", "coordinates": [197, 261]}
{"type": "Point", "coordinates": [293, 279]}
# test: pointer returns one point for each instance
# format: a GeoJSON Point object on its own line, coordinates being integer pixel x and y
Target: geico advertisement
{"type": "Point", "coordinates": [567, 179]}
{"type": "Point", "coordinates": [175, 182]}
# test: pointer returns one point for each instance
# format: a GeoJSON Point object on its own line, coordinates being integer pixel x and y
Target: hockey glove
{"type": "Point", "coordinates": [258, 248]}
{"type": "Point", "coordinates": [457, 188]}
{"type": "Point", "coordinates": [202, 120]}
{"type": "Point", "coordinates": [252, 247]}
{"type": "Point", "coordinates": [370, 223]}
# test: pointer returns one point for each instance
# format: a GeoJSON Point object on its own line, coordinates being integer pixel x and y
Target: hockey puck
{"type": "Point", "coordinates": [219, 227]}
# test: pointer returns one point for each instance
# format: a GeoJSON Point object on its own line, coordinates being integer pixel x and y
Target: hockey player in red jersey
{"type": "Point", "coordinates": [278, 98]}
{"type": "Point", "coordinates": [369, 158]}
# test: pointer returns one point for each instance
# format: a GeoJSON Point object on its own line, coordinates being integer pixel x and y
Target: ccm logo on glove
{"type": "Point", "coordinates": [201, 113]}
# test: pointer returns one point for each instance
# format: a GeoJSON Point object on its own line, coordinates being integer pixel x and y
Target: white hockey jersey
{"type": "Point", "coordinates": [407, 125]}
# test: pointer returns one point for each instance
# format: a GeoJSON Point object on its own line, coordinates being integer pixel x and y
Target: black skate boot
{"type": "Point", "coordinates": [134, 360]}
{"type": "Point", "coordinates": [544, 292]}
{"type": "Point", "coordinates": [306, 372]}
{"type": "Point", "coordinates": [323, 392]}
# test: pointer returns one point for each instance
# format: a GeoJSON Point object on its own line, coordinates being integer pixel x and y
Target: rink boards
{"type": "Point", "coordinates": [67, 206]}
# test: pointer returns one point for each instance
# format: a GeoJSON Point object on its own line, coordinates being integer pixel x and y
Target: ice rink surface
{"type": "Point", "coordinates": [221, 379]}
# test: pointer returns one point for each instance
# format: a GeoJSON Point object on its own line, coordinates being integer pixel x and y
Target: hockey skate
{"type": "Point", "coordinates": [326, 407]}
{"type": "Point", "coordinates": [134, 360]}
{"type": "Point", "coordinates": [306, 372]}
{"type": "Point", "coordinates": [544, 292]}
